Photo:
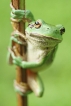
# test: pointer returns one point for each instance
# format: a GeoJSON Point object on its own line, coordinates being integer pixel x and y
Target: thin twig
{"type": "Point", "coordinates": [20, 73]}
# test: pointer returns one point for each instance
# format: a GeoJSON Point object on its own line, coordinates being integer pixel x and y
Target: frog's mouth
{"type": "Point", "coordinates": [43, 38]}
{"type": "Point", "coordinates": [43, 41]}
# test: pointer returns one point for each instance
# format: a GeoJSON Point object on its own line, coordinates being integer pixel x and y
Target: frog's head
{"type": "Point", "coordinates": [40, 29]}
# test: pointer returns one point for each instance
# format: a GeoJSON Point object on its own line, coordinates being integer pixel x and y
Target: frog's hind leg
{"type": "Point", "coordinates": [35, 83]}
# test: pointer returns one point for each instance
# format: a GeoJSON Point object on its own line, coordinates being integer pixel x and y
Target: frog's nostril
{"type": "Point", "coordinates": [62, 30]}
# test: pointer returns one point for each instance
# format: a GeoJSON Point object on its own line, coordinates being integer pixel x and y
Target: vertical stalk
{"type": "Point", "coordinates": [20, 72]}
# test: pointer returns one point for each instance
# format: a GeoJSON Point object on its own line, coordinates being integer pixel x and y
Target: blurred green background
{"type": "Point", "coordinates": [57, 79]}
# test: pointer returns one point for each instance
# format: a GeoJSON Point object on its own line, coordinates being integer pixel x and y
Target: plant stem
{"type": "Point", "coordinates": [20, 73]}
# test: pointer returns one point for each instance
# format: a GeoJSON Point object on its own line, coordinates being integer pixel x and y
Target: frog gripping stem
{"type": "Point", "coordinates": [32, 50]}
{"type": "Point", "coordinates": [26, 80]}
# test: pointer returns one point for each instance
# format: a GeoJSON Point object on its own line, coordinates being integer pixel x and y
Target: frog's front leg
{"type": "Point", "coordinates": [20, 14]}
{"type": "Point", "coordinates": [25, 64]}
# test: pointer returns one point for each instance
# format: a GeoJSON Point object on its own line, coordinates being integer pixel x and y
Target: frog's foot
{"type": "Point", "coordinates": [22, 88]}
{"type": "Point", "coordinates": [18, 15]}
{"type": "Point", "coordinates": [15, 37]}
{"type": "Point", "coordinates": [15, 14]}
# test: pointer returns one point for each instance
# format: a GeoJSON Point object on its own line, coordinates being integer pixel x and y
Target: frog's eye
{"type": "Point", "coordinates": [37, 24]}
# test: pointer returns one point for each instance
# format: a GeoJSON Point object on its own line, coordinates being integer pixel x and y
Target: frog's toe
{"type": "Point", "coordinates": [14, 62]}
{"type": "Point", "coordinates": [22, 88]}
{"type": "Point", "coordinates": [17, 61]}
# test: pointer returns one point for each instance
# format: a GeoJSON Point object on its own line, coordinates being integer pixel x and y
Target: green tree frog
{"type": "Point", "coordinates": [42, 41]}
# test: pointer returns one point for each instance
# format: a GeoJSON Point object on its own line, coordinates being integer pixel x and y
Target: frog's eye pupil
{"type": "Point", "coordinates": [37, 24]}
